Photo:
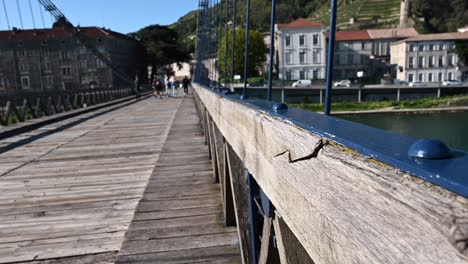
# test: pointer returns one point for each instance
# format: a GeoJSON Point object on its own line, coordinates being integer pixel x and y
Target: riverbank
{"type": "Point", "coordinates": [424, 105]}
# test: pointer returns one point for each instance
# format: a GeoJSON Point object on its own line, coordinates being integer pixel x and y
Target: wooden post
{"type": "Point", "coordinates": [282, 95]}
{"type": "Point", "coordinates": [359, 95]}
{"type": "Point", "coordinates": [398, 95]}
{"type": "Point", "coordinates": [438, 92]}
{"type": "Point", "coordinates": [240, 191]}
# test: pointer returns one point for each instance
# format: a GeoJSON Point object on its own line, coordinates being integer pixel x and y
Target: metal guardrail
{"type": "Point", "coordinates": [21, 106]}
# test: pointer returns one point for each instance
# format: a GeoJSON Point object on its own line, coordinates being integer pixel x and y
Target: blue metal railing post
{"type": "Point", "coordinates": [220, 37]}
{"type": "Point", "coordinates": [226, 46]}
{"type": "Point", "coordinates": [331, 52]}
{"type": "Point", "coordinates": [246, 48]}
{"type": "Point", "coordinates": [234, 14]}
{"type": "Point", "coordinates": [272, 46]}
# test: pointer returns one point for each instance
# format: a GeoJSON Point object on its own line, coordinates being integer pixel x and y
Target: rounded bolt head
{"type": "Point", "coordinates": [279, 107]}
{"type": "Point", "coordinates": [429, 149]}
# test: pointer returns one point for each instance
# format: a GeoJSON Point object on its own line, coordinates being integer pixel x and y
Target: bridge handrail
{"type": "Point", "coordinates": [25, 105]}
{"type": "Point", "coordinates": [349, 193]}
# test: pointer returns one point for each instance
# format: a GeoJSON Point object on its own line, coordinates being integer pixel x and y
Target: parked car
{"type": "Point", "coordinates": [451, 82]}
{"type": "Point", "coordinates": [302, 83]}
{"type": "Point", "coordinates": [416, 84]}
{"type": "Point", "coordinates": [342, 83]}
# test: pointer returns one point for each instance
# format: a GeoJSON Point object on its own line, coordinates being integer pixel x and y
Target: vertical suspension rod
{"type": "Point", "coordinates": [246, 49]}
{"type": "Point", "coordinates": [233, 42]}
{"type": "Point", "coordinates": [272, 46]}
{"type": "Point", "coordinates": [331, 52]}
{"type": "Point", "coordinates": [226, 46]}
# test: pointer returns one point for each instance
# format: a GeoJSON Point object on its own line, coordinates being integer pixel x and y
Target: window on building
{"type": "Point", "coordinates": [302, 75]}
{"type": "Point", "coordinates": [302, 58]}
{"type": "Point", "coordinates": [450, 60]}
{"type": "Point", "coordinates": [410, 77]}
{"type": "Point", "coordinates": [441, 61]}
{"type": "Point", "coordinates": [25, 82]}
{"type": "Point", "coordinates": [413, 47]}
{"type": "Point", "coordinates": [315, 39]}
{"type": "Point", "coordinates": [421, 62]}
{"type": "Point", "coordinates": [440, 75]}
{"type": "Point", "coordinates": [450, 75]}
{"type": "Point", "coordinates": [431, 47]}
{"type": "Point", "coordinates": [431, 61]}
{"type": "Point", "coordinates": [288, 56]}
{"type": "Point", "coordinates": [421, 47]}
{"type": "Point", "coordinates": [301, 40]}
{"type": "Point", "coordinates": [420, 77]}
{"type": "Point", "coordinates": [350, 58]}
{"type": "Point", "coordinates": [47, 67]}
{"type": "Point", "coordinates": [49, 81]}
{"type": "Point", "coordinates": [429, 77]}
{"type": "Point", "coordinates": [100, 64]}
{"type": "Point", "coordinates": [315, 74]}
{"type": "Point", "coordinates": [66, 71]}
{"type": "Point", "coordinates": [288, 75]}
{"type": "Point", "coordinates": [64, 54]}
{"type": "Point", "coordinates": [316, 56]}
{"type": "Point", "coordinates": [23, 67]}
{"type": "Point", "coordinates": [3, 83]}
{"type": "Point", "coordinates": [411, 62]}
{"type": "Point", "coordinates": [288, 40]}
{"type": "Point", "coordinates": [21, 53]}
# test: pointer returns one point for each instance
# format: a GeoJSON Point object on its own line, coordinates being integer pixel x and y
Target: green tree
{"type": "Point", "coordinates": [162, 48]}
{"type": "Point", "coordinates": [257, 53]}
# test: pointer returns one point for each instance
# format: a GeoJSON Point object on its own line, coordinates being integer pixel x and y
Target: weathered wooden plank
{"type": "Point", "coordinates": [341, 206]}
{"type": "Point", "coordinates": [179, 217]}
{"type": "Point", "coordinates": [218, 254]}
{"type": "Point", "coordinates": [69, 197]}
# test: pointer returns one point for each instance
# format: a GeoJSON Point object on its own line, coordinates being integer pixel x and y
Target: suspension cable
{"type": "Point", "coordinates": [19, 13]}
{"type": "Point", "coordinates": [6, 15]}
{"type": "Point", "coordinates": [32, 14]}
{"type": "Point", "coordinates": [42, 15]}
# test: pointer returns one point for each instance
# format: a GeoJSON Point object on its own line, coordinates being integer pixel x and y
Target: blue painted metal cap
{"type": "Point", "coordinates": [280, 107]}
{"type": "Point", "coordinates": [429, 149]}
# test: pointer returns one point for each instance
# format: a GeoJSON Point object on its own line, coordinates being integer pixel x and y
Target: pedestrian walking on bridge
{"type": "Point", "coordinates": [185, 84]}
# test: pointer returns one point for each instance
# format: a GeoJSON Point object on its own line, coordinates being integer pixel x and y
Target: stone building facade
{"type": "Point", "coordinates": [430, 58]}
{"type": "Point", "coordinates": [47, 59]}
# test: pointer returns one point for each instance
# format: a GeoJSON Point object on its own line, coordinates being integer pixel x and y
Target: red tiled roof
{"type": "Point", "coordinates": [440, 36]}
{"type": "Point", "coordinates": [392, 33]}
{"type": "Point", "coordinates": [300, 23]}
{"type": "Point", "coordinates": [56, 33]}
{"type": "Point", "coordinates": [351, 35]}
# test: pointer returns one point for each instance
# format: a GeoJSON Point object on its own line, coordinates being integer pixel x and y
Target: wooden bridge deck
{"type": "Point", "coordinates": [68, 191]}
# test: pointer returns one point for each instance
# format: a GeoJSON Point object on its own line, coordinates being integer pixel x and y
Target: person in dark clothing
{"type": "Point", "coordinates": [137, 89]}
{"type": "Point", "coordinates": [185, 84]}
{"type": "Point", "coordinates": [159, 88]}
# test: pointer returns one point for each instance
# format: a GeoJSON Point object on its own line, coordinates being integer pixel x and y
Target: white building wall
{"type": "Point", "coordinates": [426, 61]}
{"type": "Point", "coordinates": [292, 66]}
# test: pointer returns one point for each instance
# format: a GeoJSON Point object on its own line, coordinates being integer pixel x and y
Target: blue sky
{"type": "Point", "coordinates": [119, 15]}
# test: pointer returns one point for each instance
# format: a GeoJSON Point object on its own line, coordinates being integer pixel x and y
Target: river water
{"type": "Point", "coordinates": [451, 128]}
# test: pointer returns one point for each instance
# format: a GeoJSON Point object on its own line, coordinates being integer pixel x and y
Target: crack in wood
{"type": "Point", "coordinates": [314, 153]}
